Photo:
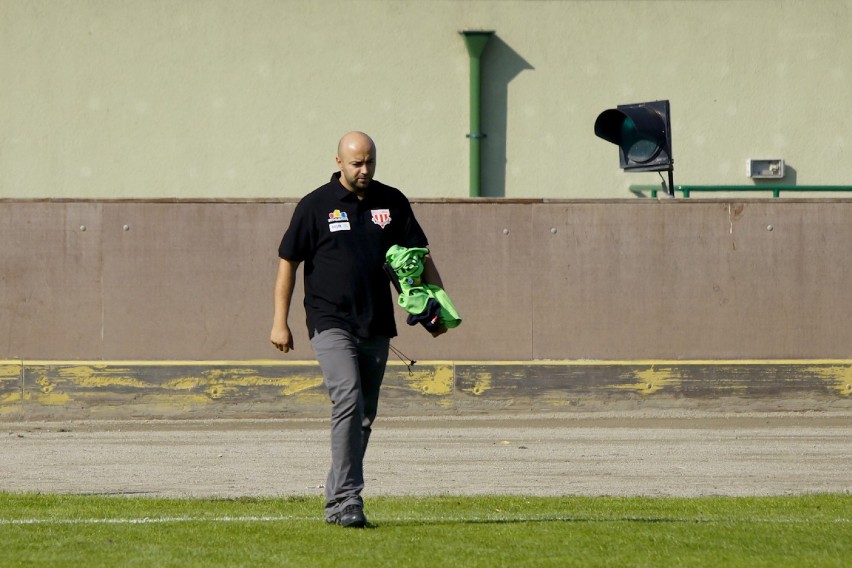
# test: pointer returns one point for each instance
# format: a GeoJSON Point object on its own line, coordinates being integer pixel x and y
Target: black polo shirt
{"type": "Point", "coordinates": [342, 242]}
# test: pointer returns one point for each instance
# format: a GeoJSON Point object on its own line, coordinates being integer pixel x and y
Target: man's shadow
{"type": "Point", "coordinates": [500, 64]}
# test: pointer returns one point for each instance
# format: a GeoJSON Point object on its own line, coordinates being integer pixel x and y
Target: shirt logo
{"type": "Point", "coordinates": [381, 217]}
{"type": "Point", "coordinates": [338, 221]}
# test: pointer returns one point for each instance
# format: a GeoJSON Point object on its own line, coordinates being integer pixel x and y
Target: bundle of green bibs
{"type": "Point", "coordinates": [426, 304]}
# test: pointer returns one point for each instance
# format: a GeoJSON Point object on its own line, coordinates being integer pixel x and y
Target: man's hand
{"type": "Point", "coordinates": [285, 281]}
{"type": "Point", "coordinates": [440, 331]}
{"type": "Point", "coordinates": [282, 339]}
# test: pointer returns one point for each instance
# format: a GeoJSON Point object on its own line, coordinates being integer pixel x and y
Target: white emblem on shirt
{"type": "Point", "coordinates": [381, 217]}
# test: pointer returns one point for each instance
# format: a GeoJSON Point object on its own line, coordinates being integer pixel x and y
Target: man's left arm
{"type": "Point", "coordinates": [432, 276]}
{"type": "Point", "coordinates": [430, 272]}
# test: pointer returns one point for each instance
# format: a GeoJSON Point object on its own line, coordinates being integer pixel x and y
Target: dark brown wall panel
{"type": "Point", "coordinates": [191, 281]}
{"type": "Point", "coordinates": [483, 253]}
{"type": "Point", "coordinates": [50, 280]}
{"type": "Point", "coordinates": [601, 280]}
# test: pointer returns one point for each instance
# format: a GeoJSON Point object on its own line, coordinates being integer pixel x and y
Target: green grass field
{"type": "Point", "coordinates": [86, 531]}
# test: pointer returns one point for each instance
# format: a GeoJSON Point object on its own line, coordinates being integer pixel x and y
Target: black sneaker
{"type": "Point", "coordinates": [350, 516]}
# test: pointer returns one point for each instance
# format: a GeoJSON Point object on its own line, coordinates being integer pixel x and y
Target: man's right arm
{"type": "Point", "coordinates": [285, 282]}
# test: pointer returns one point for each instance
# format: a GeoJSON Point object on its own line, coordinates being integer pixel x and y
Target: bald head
{"type": "Point", "coordinates": [356, 158]}
{"type": "Point", "coordinates": [354, 140]}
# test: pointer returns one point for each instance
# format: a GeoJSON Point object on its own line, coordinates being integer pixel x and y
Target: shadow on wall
{"type": "Point", "coordinates": [500, 65]}
{"type": "Point", "coordinates": [791, 178]}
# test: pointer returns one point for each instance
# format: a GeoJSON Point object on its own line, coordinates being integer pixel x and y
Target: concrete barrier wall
{"type": "Point", "coordinates": [599, 280]}
{"type": "Point", "coordinates": [134, 309]}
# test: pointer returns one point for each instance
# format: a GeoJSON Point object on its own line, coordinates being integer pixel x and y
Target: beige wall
{"type": "Point", "coordinates": [219, 98]}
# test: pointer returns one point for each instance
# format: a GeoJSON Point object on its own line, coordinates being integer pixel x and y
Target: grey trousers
{"type": "Point", "coordinates": [352, 368]}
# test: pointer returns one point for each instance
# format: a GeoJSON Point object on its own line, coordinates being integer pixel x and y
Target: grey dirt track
{"type": "Point", "coordinates": [661, 453]}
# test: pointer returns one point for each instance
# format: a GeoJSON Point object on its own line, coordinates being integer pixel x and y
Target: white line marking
{"type": "Point", "coordinates": [150, 520]}
{"type": "Point", "coordinates": [416, 520]}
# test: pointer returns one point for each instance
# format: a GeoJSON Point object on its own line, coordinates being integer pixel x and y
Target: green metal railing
{"type": "Point", "coordinates": [776, 190]}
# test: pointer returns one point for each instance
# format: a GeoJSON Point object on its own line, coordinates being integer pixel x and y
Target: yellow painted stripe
{"type": "Point", "coordinates": [553, 362]}
{"type": "Point", "coordinates": [649, 362]}
{"type": "Point", "coordinates": [159, 363]}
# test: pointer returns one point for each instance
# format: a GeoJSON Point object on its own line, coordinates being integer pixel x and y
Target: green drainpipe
{"type": "Point", "coordinates": [475, 42]}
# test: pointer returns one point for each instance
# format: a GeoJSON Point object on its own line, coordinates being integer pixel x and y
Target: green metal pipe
{"type": "Point", "coordinates": [476, 41]}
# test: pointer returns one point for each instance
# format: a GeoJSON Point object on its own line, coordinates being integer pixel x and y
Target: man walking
{"type": "Point", "coordinates": [341, 232]}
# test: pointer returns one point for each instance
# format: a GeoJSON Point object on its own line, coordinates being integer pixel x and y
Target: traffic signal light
{"type": "Point", "coordinates": [643, 134]}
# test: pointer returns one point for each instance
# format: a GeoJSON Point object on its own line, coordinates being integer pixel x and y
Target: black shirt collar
{"type": "Point", "coordinates": [342, 193]}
